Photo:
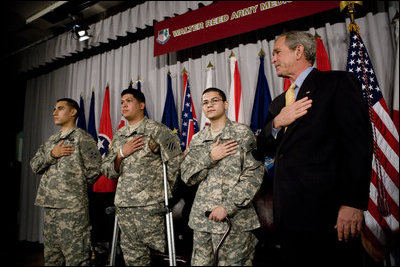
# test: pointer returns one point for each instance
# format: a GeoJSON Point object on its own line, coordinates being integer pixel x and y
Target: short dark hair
{"type": "Point", "coordinates": [72, 103]}
{"type": "Point", "coordinates": [139, 96]}
{"type": "Point", "coordinates": [214, 89]}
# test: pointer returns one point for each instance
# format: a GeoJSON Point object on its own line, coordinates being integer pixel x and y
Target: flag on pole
{"type": "Point", "coordinates": [322, 59]}
{"type": "Point", "coordinates": [235, 110]}
{"type": "Point", "coordinates": [259, 114]}
{"type": "Point", "coordinates": [92, 123]}
{"type": "Point", "coordinates": [382, 216]}
{"type": "Point", "coordinates": [139, 87]}
{"type": "Point", "coordinates": [81, 118]}
{"type": "Point", "coordinates": [103, 184]}
{"type": "Point", "coordinates": [262, 99]}
{"type": "Point", "coordinates": [209, 83]}
{"type": "Point", "coordinates": [189, 119]}
{"type": "Point", "coordinates": [396, 96]}
{"type": "Point", "coordinates": [170, 117]}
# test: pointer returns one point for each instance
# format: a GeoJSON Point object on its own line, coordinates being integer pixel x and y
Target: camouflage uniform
{"type": "Point", "coordinates": [231, 183]}
{"type": "Point", "coordinates": [63, 194]}
{"type": "Point", "coordinates": [139, 197]}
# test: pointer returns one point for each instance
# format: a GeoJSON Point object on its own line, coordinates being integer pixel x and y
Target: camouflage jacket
{"type": "Point", "coordinates": [65, 180]}
{"type": "Point", "coordinates": [231, 182]}
{"type": "Point", "coordinates": [140, 176]}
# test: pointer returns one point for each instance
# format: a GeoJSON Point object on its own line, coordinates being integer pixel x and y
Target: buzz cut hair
{"type": "Point", "coordinates": [214, 89]}
{"type": "Point", "coordinates": [139, 96]}
{"type": "Point", "coordinates": [72, 104]}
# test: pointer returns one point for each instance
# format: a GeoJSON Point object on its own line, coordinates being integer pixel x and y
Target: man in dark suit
{"type": "Point", "coordinates": [322, 144]}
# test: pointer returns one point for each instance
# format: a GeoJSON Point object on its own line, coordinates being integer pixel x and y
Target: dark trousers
{"type": "Point", "coordinates": [322, 249]}
{"type": "Point", "coordinates": [102, 223]}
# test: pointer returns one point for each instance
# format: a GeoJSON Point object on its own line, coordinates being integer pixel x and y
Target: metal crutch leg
{"type": "Point", "coordinates": [114, 240]}
{"type": "Point", "coordinates": [228, 229]}
{"type": "Point", "coordinates": [169, 222]}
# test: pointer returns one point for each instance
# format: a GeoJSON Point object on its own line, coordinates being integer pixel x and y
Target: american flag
{"type": "Point", "coordinates": [189, 119]}
{"type": "Point", "coordinates": [382, 217]}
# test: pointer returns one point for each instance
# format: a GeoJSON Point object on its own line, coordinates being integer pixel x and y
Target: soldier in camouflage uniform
{"type": "Point", "coordinates": [135, 158]}
{"type": "Point", "coordinates": [219, 159]}
{"type": "Point", "coordinates": [69, 161]}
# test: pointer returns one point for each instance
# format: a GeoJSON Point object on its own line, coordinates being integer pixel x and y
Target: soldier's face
{"type": "Point", "coordinates": [63, 113]}
{"type": "Point", "coordinates": [131, 108]}
{"type": "Point", "coordinates": [213, 106]}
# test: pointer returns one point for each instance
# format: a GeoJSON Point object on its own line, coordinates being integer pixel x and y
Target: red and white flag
{"type": "Point", "coordinates": [382, 216]}
{"type": "Point", "coordinates": [189, 120]}
{"type": "Point", "coordinates": [103, 184]}
{"type": "Point", "coordinates": [209, 83]}
{"type": "Point", "coordinates": [235, 110]}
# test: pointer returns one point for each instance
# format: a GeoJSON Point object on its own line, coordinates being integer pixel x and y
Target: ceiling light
{"type": "Point", "coordinates": [80, 32]}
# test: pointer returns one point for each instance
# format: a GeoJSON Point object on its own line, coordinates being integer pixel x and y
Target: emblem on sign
{"type": "Point", "coordinates": [163, 36]}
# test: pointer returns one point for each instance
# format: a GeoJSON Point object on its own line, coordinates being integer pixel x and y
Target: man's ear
{"type": "Point", "coordinates": [142, 105]}
{"type": "Point", "coordinates": [299, 51]}
{"type": "Point", "coordinates": [226, 105]}
{"type": "Point", "coordinates": [74, 112]}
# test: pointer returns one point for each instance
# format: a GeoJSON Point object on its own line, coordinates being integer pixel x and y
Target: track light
{"type": "Point", "coordinates": [80, 32]}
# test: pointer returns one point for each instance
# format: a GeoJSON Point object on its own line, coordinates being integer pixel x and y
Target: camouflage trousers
{"type": "Point", "coordinates": [141, 228]}
{"type": "Point", "coordinates": [66, 237]}
{"type": "Point", "coordinates": [237, 250]}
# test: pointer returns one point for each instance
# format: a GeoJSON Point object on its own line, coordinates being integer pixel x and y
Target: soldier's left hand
{"type": "Point", "coordinates": [218, 214]}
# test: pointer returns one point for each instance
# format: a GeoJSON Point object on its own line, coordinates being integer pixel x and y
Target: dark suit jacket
{"type": "Point", "coordinates": [324, 159]}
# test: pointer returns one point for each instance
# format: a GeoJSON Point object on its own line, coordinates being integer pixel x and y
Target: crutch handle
{"type": "Point", "coordinates": [228, 228]}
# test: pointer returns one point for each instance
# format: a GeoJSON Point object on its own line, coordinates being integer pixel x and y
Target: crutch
{"type": "Point", "coordinates": [228, 229]}
{"type": "Point", "coordinates": [115, 237]}
{"type": "Point", "coordinates": [169, 222]}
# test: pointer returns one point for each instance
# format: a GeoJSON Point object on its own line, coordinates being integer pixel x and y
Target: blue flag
{"type": "Point", "coordinates": [81, 119]}
{"type": "Point", "coordinates": [92, 122]}
{"type": "Point", "coordinates": [139, 86]}
{"type": "Point", "coordinates": [262, 99]}
{"type": "Point", "coordinates": [170, 117]}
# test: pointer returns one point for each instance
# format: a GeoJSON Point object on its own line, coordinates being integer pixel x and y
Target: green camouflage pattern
{"type": "Point", "coordinates": [231, 182]}
{"type": "Point", "coordinates": [238, 249]}
{"type": "Point", "coordinates": [66, 237]}
{"type": "Point", "coordinates": [65, 180]}
{"type": "Point", "coordinates": [140, 176]}
{"type": "Point", "coordinates": [141, 228]}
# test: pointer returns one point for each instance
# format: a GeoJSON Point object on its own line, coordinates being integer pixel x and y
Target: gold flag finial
{"type": "Point", "coordinates": [350, 8]}
{"type": "Point", "coordinates": [169, 73]}
{"type": "Point", "coordinates": [138, 79]}
{"type": "Point", "coordinates": [261, 53]}
{"type": "Point", "coordinates": [108, 85]}
{"type": "Point", "coordinates": [317, 36]}
{"type": "Point", "coordinates": [232, 54]}
{"type": "Point", "coordinates": [210, 65]}
{"type": "Point", "coordinates": [131, 83]}
{"type": "Point", "coordinates": [184, 70]}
